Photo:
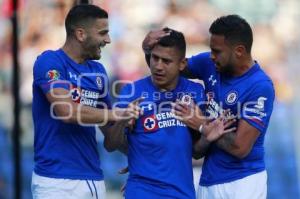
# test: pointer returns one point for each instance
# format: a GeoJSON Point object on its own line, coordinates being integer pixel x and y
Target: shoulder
{"type": "Point", "coordinates": [261, 85]}
{"type": "Point", "coordinates": [142, 82]}
{"type": "Point", "coordinates": [200, 58]}
{"type": "Point", "coordinates": [47, 55]}
{"type": "Point", "coordinates": [48, 60]}
{"type": "Point", "coordinates": [193, 84]}
{"type": "Point", "coordinates": [261, 80]}
{"type": "Point", "coordinates": [99, 66]}
{"type": "Point", "coordinates": [202, 55]}
{"type": "Point", "coordinates": [136, 87]}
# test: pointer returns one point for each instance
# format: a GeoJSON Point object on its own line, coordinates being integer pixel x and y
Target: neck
{"type": "Point", "coordinates": [73, 50]}
{"type": "Point", "coordinates": [243, 66]}
{"type": "Point", "coordinates": [168, 87]}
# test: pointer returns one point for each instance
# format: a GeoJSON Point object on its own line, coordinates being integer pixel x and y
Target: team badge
{"type": "Point", "coordinates": [231, 97]}
{"type": "Point", "coordinates": [150, 123]}
{"type": "Point", "coordinates": [186, 99]}
{"type": "Point", "coordinates": [99, 82]}
{"type": "Point", "coordinates": [53, 75]}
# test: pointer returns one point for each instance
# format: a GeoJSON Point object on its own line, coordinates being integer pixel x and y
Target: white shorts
{"type": "Point", "coordinates": [54, 188]}
{"type": "Point", "coordinates": [250, 187]}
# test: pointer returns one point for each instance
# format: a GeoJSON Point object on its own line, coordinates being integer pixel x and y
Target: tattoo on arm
{"type": "Point", "coordinates": [200, 148]}
{"type": "Point", "coordinates": [227, 142]}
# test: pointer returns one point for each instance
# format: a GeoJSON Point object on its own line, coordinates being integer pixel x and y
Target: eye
{"type": "Point", "coordinates": [103, 33]}
{"type": "Point", "coordinates": [166, 61]}
{"type": "Point", "coordinates": [154, 57]}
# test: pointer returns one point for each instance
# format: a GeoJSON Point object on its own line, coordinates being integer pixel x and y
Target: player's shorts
{"type": "Point", "coordinates": [250, 187]}
{"type": "Point", "coordinates": [53, 188]}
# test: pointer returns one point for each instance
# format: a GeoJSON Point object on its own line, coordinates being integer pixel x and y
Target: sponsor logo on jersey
{"type": "Point", "coordinates": [150, 123]}
{"type": "Point", "coordinates": [85, 97]}
{"type": "Point", "coordinates": [212, 80]}
{"type": "Point", "coordinates": [75, 94]}
{"type": "Point", "coordinates": [146, 107]}
{"type": "Point", "coordinates": [72, 76]}
{"type": "Point", "coordinates": [256, 112]}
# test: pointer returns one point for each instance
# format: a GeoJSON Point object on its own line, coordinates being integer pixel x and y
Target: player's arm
{"type": "Point", "coordinates": [239, 143]}
{"type": "Point", "coordinates": [200, 147]}
{"type": "Point", "coordinates": [255, 115]}
{"type": "Point", "coordinates": [115, 137]}
{"type": "Point", "coordinates": [71, 112]}
{"type": "Point", "coordinates": [210, 132]}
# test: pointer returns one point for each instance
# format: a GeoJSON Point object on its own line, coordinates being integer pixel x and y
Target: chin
{"type": "Point", "coordinates": [95, 57]}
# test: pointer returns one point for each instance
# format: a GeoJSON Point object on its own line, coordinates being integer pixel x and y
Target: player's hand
{"type": "Point", "coordinates": [215, 129]}
{"type": "Point", "coordinates": [132, 112]}
{"type": "Point", "coordinates": [152, 38]}
{"type": "Point", "coordinates": [189, 113]}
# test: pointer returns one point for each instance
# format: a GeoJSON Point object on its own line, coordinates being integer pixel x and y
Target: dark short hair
{"type": "Point", "coordinates": [235, 29]}
{"type": "Point", "coordinates": [80, 16]}
{"type": "Point", "coordinates": [174, 39]}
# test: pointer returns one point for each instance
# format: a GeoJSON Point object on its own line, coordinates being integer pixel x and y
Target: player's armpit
{"type": "Point", "coordinates": [239, 143]}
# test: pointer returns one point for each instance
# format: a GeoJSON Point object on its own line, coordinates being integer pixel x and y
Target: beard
{"type": "Point", "coordinates": [228, 69]}
{"type": "Point", "coordinates": [91, 50]}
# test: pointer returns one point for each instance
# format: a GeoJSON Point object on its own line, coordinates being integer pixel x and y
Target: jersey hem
{"type": "Point", "coordinates": [71, 177]}
{"type": "Point", "coordinates": [206, 184]}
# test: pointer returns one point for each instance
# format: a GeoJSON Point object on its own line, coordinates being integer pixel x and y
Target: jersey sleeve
{"type": "Point", "coordinates": [258, 107]}
{"type": "Point", "coordinates": [107, 99]}
{"type": "Point", "coordinates": [49, 73]}
{"type": "Point", "coordinates": [198, 64]}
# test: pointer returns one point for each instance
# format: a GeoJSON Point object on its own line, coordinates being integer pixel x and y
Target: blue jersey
{"type": "Point", "coordinates": [250, 97]}
{"type": "Point", "coordinates": [64, 150]}
{"type": "Point", "coordinates": [160, 146]}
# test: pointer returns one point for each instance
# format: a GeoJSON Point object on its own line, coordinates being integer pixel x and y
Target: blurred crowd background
{"type": "Point", "coordinates": [276, 46]}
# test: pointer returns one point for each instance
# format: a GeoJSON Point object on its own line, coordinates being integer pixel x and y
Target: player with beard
{"type": "Point", "coordinates": [234, 165]}
{"type": "Point", "coordinates": [70, 96]}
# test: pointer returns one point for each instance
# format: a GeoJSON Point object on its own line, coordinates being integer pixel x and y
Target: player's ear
{"type": "Point", "coordinates": [239, 50]}
{"type": "Point", "coordinates": [182, 64]}
{"type": "Point", "coordinates": [80, 34]}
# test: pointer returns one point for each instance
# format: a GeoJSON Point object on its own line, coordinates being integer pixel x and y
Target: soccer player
{"type": "Point", "coordinates": [160, 147]}
{"type": "Point", "coordinates": [234, 165]}
{"type": "Point", "coordinates": [70, 94]}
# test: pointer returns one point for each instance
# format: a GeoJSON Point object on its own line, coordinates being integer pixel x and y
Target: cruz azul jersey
{"type": "Point", "coordinates": [65, 150]}
{"type": "Point", "coordinates": [249, 97]}
{"type": "Point", "coordinates": [160, 146]}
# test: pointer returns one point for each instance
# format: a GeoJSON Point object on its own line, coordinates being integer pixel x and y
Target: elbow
{"type": "Point", "coordinates": [198, 156]}
{"type": "Point", "coordinates": [241, 153]}
{"type": "Point", "coordinates": [65, 113]}
{"type": "Point", "coordinates": [109, 147]}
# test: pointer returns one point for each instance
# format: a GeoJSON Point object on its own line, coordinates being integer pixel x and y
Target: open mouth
{"type": "Point", "coordinates": [159, 75]}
